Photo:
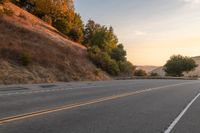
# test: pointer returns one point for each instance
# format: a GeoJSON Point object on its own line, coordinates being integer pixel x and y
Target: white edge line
{"type": "Point", "coordinates": [173, 124]}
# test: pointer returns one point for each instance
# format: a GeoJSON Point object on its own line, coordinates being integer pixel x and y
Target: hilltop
{"type": "Point", "coordinates": [196, 72]}
{"type": "Point", "coordinates": [32, 51]}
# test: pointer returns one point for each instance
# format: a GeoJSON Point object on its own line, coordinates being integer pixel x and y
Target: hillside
{"type": "Point", "coordinates": [148, 69]}
{"type": "Point", "coordinates": [196, 72]}
{"type": "Point", "coordinates": [51, 56]}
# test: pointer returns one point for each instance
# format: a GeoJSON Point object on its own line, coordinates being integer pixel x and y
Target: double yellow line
{"type": "Point", "coordinates": [67, 107]}
{"type": "Point", "coordinates": [76, 105]}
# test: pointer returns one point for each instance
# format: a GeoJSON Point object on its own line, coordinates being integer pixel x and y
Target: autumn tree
{"type": "Point", "coordinates": [58, 13]}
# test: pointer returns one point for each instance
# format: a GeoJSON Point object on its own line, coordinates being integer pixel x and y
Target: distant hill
{"type": "Point", "coordinates": [51, 57]}
{"type": "Point", "coordinates": [148, 69]}
{"type": "Point", "coordinates": [196, 72]}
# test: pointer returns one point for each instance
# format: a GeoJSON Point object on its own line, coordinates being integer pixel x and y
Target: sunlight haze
{"type": "Point", "coordinates": [151, 30]}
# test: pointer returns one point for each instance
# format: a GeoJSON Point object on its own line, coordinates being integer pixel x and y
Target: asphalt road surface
{"type": "Point", "coordinates": [129, 106]}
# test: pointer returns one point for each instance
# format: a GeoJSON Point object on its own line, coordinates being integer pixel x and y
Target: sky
{"type": "Point", "coordinates": [151, 30]}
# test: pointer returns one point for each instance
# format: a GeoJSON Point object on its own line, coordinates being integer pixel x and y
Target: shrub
{"type": "Point", "coordinates": [76, 35]}
{"type": "Point", "coordinates": [24, 58]}
{"type": "Point", "coordinates": [126, 67]}
{"type": "Point", "coordinates": [154, 74]}
{"type": "Point", "coordinates": [104, 61]}
{"type": "Point", "coordinates": [140, 72]}
{"type": "Point", "coordinates": [62, 25]}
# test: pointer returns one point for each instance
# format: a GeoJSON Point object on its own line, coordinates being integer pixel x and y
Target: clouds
{"type": "Point", "coordinates": [139, 33]}
{"type": "Point", "coordinates": [192, 3]}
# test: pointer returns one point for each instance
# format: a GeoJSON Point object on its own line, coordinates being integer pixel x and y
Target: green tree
{"type": "Point", "coordinates": [126, 68]}
{"type": "Point", "coordinates": [178, 64]}
{"type": "Point", "coordinates": [118, 53]}
{"type": "Point", "coordinates": [76, 31]}
{"type": "Point", "coordinates": [101, 36]}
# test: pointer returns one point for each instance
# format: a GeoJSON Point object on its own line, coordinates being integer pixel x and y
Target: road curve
{"type": "Point", "coordinates": [143, 106]}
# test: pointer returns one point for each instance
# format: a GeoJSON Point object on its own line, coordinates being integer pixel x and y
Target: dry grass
{"type": "Point", "coordinates": [49, 51]}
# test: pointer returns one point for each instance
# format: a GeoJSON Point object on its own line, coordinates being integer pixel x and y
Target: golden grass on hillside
{"type": "Point", "coordinates": [47, 49]}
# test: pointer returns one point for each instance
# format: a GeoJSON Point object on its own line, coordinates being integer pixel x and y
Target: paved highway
{"type": "Point", "coordinates": [129, 106]}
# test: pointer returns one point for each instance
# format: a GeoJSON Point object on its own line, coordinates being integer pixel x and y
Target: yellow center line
{"type": "Point", "coordinates": [76, 105]}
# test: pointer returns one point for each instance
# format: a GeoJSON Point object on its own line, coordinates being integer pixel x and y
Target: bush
{"type": "Point", "coordinates": [154, 74]}
{"type": "Point", "coordinates": [140, 72]}
{"type": "Point", "coordinates": [76, 35]}
{"type": "Point", "coordinates": [103, 61]}
{"type": "Point", "coordinates": [24, 58]}
{"type": "Point", "coordinates": [62, 25]}
{"type": "Point", "coordinates": [126, 67]}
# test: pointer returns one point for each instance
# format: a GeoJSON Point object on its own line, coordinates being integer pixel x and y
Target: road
{"type": "Point", "coordinates": [129, 106]}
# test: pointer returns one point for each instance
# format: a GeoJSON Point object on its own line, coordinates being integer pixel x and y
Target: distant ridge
{"type": "Point", "coordinates": [147, 68]}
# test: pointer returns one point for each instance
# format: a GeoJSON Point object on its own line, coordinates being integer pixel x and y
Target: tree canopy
{"type": "Point", "coordinates": [58, 13]}
{"type": "Point", "coordinates": [104, 49]}
{"type": "Point", "coordinates": [178, 64]}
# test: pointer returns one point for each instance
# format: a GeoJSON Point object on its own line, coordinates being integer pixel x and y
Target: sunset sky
{"type": "Point", "coordinates": [151, 30]}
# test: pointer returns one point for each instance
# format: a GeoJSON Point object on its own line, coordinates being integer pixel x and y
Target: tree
{"type": "Point", "coordinates": [178, 64]}
{"type": "Point", "coordinates": [76, 31]}
{"type": "Point", "coordinates": [58, 13]}
{"type": "Point", "coordinates": [140, 72]}
{"type": "Point", "coordinates": [118, 53]}
{"type": "Point", "coordinates": [90, 28]}
{"type": "Point", "coordinates": [101, 36]}
{"type": "Point", "coordinates": [126, 68]}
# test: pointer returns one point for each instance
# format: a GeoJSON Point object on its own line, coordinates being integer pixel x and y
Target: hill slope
{"type": "Point", "coordinates": [148, 69]}
{"type": "Point", "coordinates": [196, 72]}
{"type": "Point", "coordinates": [52, 56]}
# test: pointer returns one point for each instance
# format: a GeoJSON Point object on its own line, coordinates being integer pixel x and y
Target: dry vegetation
{"type": "Point", "coordinates": [31, 51]}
